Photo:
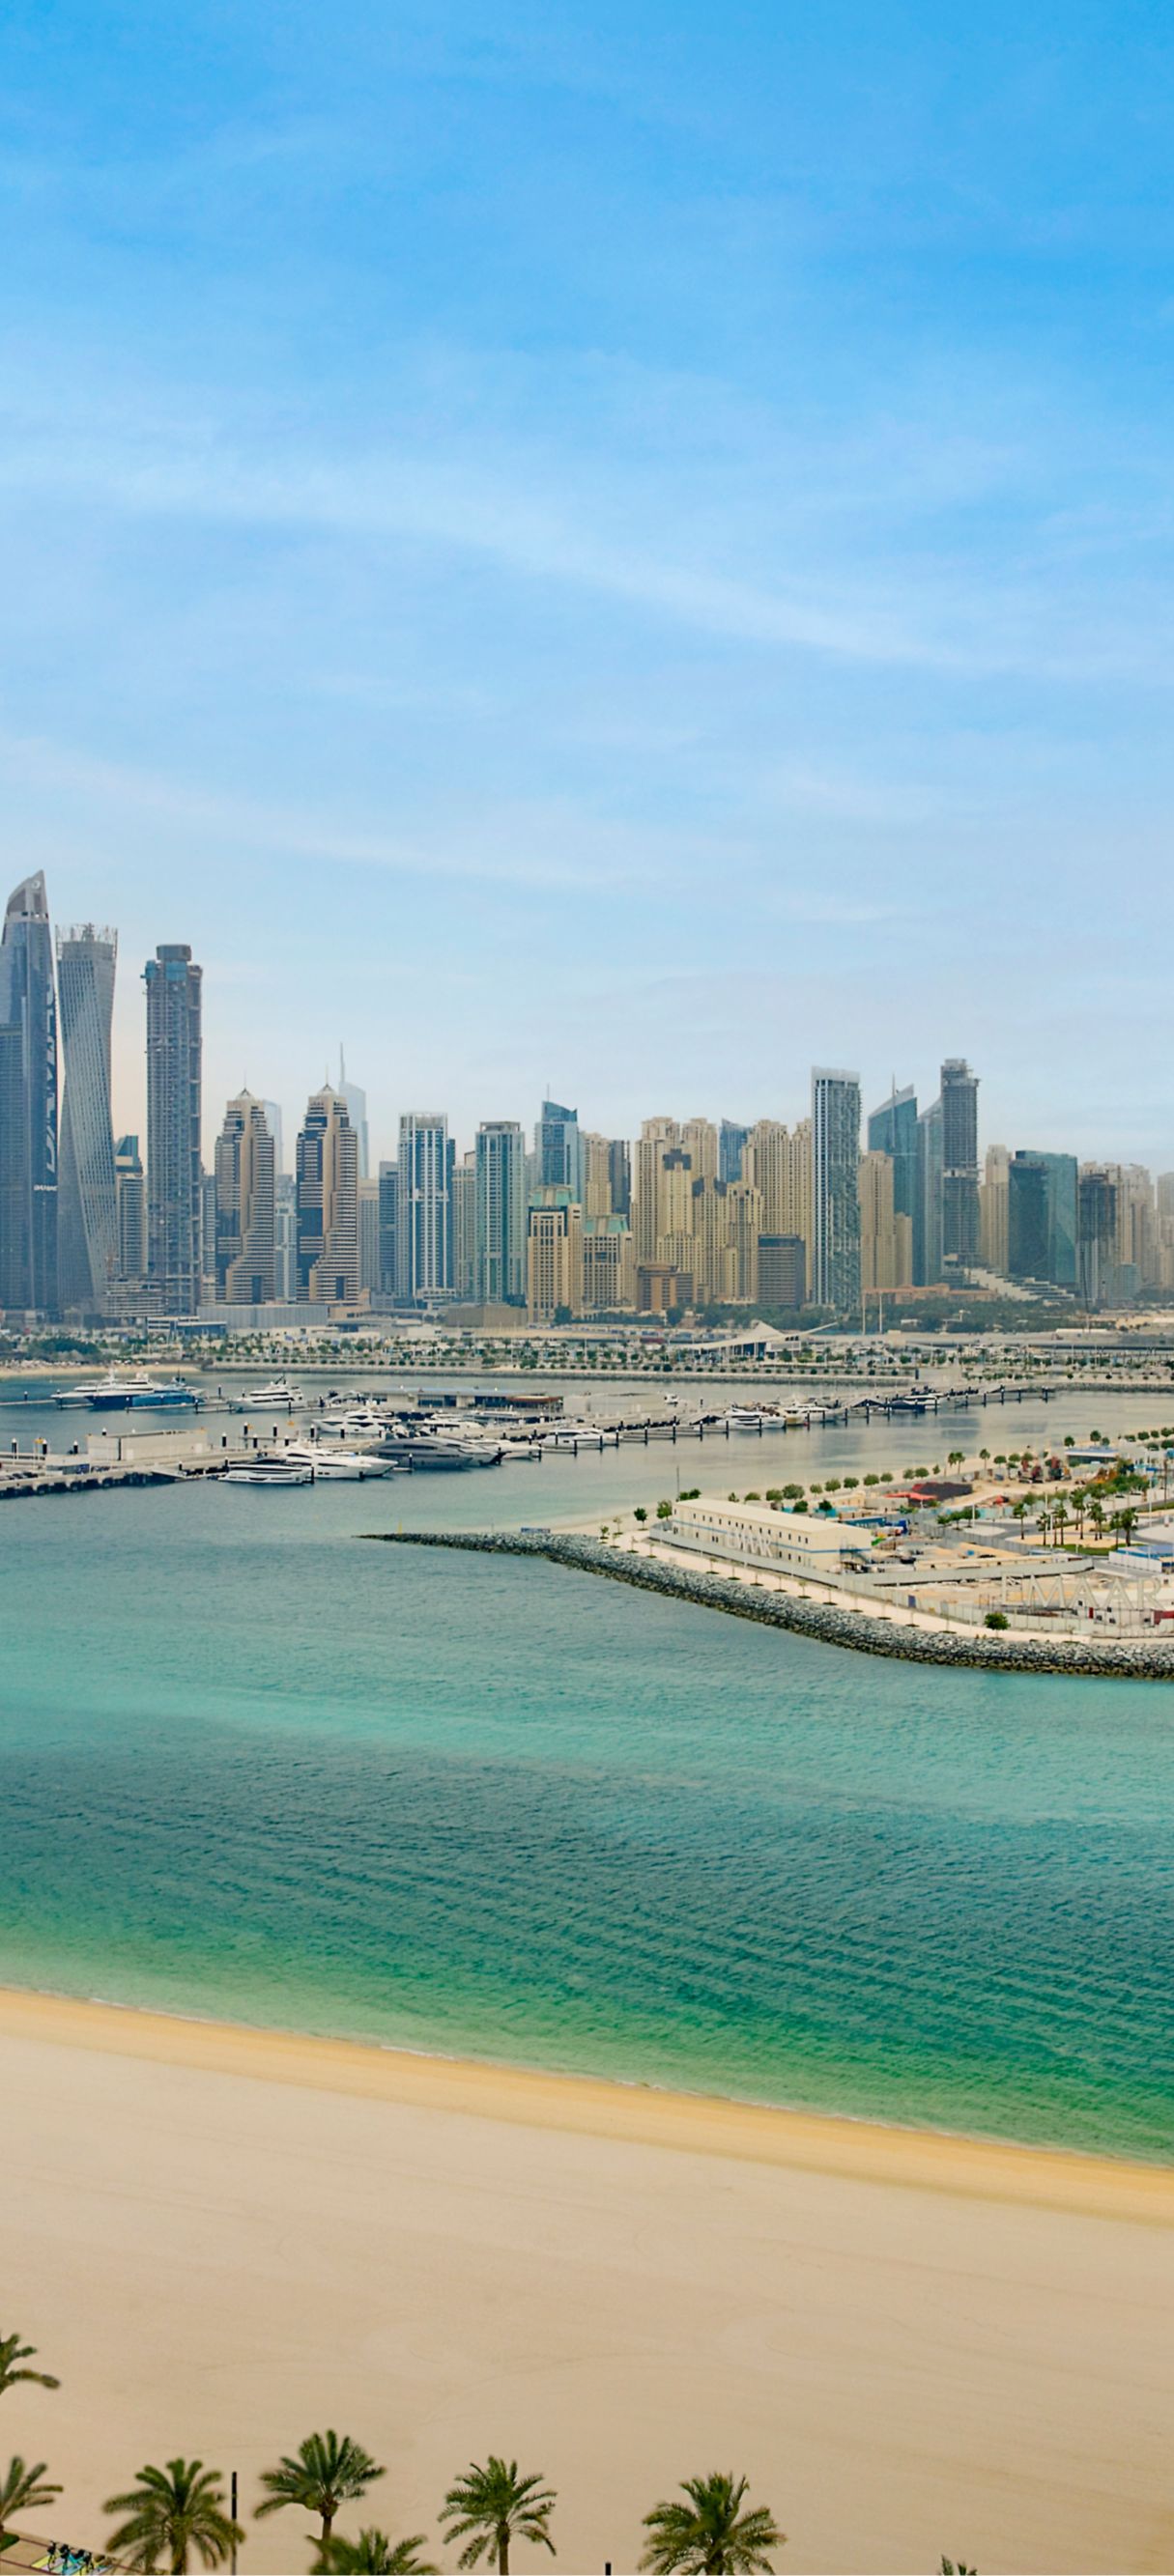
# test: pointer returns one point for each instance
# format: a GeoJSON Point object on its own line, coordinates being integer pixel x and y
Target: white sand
{"type": "Point", "coordinates": [223, 2240]}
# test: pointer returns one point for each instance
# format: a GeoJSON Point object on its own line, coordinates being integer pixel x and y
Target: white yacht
{"type": "Point", "coordinates": [329, 1465]}
{"type": "Point", "coordinates": [269, 1467]}
{"type": "Point", "coordinates": [277, 1397]}
{"type": "Point", "coordinates": [110, 1393]}
{"type": "Point", "coordinates": [746, 1417]}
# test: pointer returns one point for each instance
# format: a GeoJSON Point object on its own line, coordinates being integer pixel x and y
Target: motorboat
{"type": "Point", "coordinates": [746, 1417]}
{"type": "Point", "coordinates": [274, 1467]}
{"type": "Point", "coordinates": [337, 1466]}
{"type": "Point", "coordinates": [414, 1447]}
{"type": "Point", "coordinates": [115, 1394]}
{"type": "Point", "coordinates": [277, 1397]}
{"type": "Point", "coordinates": [162, 1395]}
{"type": "Point", "coordinates": [360, 1422]}
{"type": "Point", "coordinates": [110, 1393]}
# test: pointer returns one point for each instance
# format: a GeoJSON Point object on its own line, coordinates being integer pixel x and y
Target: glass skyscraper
{"type": "Point", "coordinates": [960, 1204]}
{"type": "Point", "coordinates": [87, 1220]}
{"type": "Point", "coordinates": [500, 1264]}
{"type": "Point", "coordinates": [424, 1205]}
{"type": "Point", "coordinates": [174, 1173]}
{"type": "Point", "coordinates": [28, 1104]}
{"type": "Point", "coordinates": [835, 1190]}
{"type": "Point", "coordinates": [558, 1150]}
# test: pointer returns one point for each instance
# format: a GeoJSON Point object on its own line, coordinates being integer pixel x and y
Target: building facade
{"type": "Point", "coordinates": [131, 1199]}
{"type": "Point", "coordinates": [87, 1202]}
{"type": "Point", "coordinates": [835, 1190]}
{"type": "Point", "coordinates": [174, 1170]}
{"type": "Point", "coordinates": [245, 1205]}
{"type": "Point", "coordinates": [28, 1104]}
{"type": "Point", "coordinates": [500, 1231]}
{"type": "Point", "coordinates": [554, 1267]}
{"type": "Point", "coordinates": [328, 1203]}
{"type": "Point", "coordinates": [424, 1207]}
{"type": "Point", "coordinates": [960, 1206]}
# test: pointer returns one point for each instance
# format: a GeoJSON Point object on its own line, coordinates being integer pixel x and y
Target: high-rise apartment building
{"type": "Point", "coordinates": [619, 1163]}
{"type": "Point", "coordinates": [596, 1166]}
{"type": "Point", "coordinates": [276, 1126]}
{"type": "Point", "coordinates": [609, 1272]}
{"type": "Point", "coordinates": [1096, 1234]}
{"type": "Point", "coordinates": [960, 1206]}
{"type": "Point", "coordinates": [369, 1267]}
{"type": "Point", "coordinates": [174, 1172]}
{"type": "Point", "coordinates": [731, 1140]}
{"type": "Point", "coordinates": [835, 1190]}
{"type": "Point", "coordinates": [424, 1206]}
{"type": "Point", "coordinates": [744, 1202]}
{"type": "Point", "coordinates": [892, 1130]}
{"type": "Point", "coordinates": [927, 1216]}
{"type": "Point", "coordinates": [87, 1198]}
{"type": "Point", "coordinates": [558, 1150]}
{"type": "Point", "coordinates": [658, 1137]}
{"type": "Point", "coordinates": [782, 1271]}
{"type": "Point", "coordinates": [463, 1225]}
{"type": "Point", "coordinates": [777, 1160]}
{"type": "Point", "coordinates": [328, 1203]}
{"type": "Point", "coordinates": [28, 1104]}
{"type": "Point", "coordinates": [554, 1266]}
{"type": "Point", "coordinates": [993, 1210]}
{"type": "Point", "coordinates": [388, 1226]}
{"type": "Point", "coordinates": [714, 1259]}
{"type": "Point", "coordinates": [1042, 1218]}
{"type": "Point", "coordinates": [245, 1205]}
{"type": "Point", "coordinates": [131, 1199]}
{"type": "Point", "coordinates": [879, 1263]}
{"type": "Point", "coordinates": [500, 1230]}
{"type": "Point", "coordinates": [285, 1234]}
{"type": "Point", "coordinates": [699, 1140]}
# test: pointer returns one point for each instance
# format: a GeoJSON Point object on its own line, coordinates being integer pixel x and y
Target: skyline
{"type": "Point", "coordinates": [625, 556]}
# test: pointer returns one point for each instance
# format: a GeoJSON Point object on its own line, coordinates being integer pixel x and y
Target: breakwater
{"type": "Point", "coordinates": [1121, 1658]}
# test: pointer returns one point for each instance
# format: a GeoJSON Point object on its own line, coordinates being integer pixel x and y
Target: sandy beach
{"type": "Point", "coordinates": [222, 2239]}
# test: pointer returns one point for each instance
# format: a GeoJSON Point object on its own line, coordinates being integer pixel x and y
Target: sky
{"type": "Point", "coordinates": [619, 549]}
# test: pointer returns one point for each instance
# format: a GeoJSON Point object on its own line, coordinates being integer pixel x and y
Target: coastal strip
{"type": "Point", "coordinates": [593, 2107]}
{"type": "Point", "coordinates": [1120, 1659]}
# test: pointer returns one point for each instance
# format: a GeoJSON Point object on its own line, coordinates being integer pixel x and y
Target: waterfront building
{"type": "Point", "coordinates": [500, 1225]}
{"type": "Point", "coordinates": [744, 1202]}
{"type": "Point", "coordinates": [782, 1271]}
{"type": "Point", "coordinates": [131, 1205]}
{"type": "Point", "coordinates": [87, 1194]}
{"type": "Point", "coordinates": [596, 1165]}
{"type": "Point", "coordinates": [558, 1160]}
{"type": "Point", "coordinates": [1137, 1238]}
{"type": "Point", "coordinates": [1042, 1218]}
{"type": "Point", "coordinates": [960, 1211]}
{"type": "Point", "coordinates": [927, 1221]}
{"type": "Point", "coordinates": [28, 1105]}
{"type": "Point", "coordinates": [245, 1221]}
{"type": "Point", "coordinates": [878, 1227]}
{"type": "Point", "coordinates": [424, 1207]}
{"type": "Point", "coordinates": [835, 1190]}
{"type": "Point", "coordinates": [992, 1211]}
{"type": "Point", "coordinates": [174, 1170]}
{"type": "Point", "coordinates": [356, 1101]}
{"type": "Point", "coordinates": [554, 1257]}
{"type": "Point", "coordinates": [388, 1217]}
{"type": "Point", "coordinates": [754, 1534]}
{"type": "Point", "coordinates": [661, 1290]}
{"type": "Point", "coordinates": [609, 1272]}
{"type": "Point", "coordinates": [892, 1130]}
{"type": "Point", "coordinates": [730, 1145]}
{"type": "Point", "coordinates": [328, 1203]}
{"type": "Point", "coordinates": [369, 1269]}
{"type": "Point", "coordinates": [463, 1224]}
{"type": "Point", "coordinates": [619, 1163]}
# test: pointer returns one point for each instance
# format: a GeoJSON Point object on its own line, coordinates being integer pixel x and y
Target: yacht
{"type": "Point", "coordinates": [746, 1417]}
{"type": "Point", "coordinates": [274, 1467]}
{"type": "Point", "coordinates": [433, 1446]}
{"type": "Point", "coordinates": [110, 1393]}
{"type": "Point", "coordinates": [359, 1422]}
{"type": "Point", "coordinates": [277, 1397]}
{"type": "Point", "coordinates": [336, 1466]}
{"type": "Point", "coordinates": [161, 1395]}
{"type": "Point", "coordinates": [114, 1394]}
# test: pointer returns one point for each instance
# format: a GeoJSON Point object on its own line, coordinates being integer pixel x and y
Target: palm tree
{"type": "Point", "coordinates": [174, 2510]}
{"type": "Point", "coordinates": [490, 2507]}
{"type": "Point", "coordinates": [373, 2554]}
{"type": "Point", "coordinates": [327, 2470]}
{"type": "Point", "coordinates": [1096, 1514]}
{"type": "Point", "coordinates": [14, 2359]}
{"type": "Point", "coordinates": [22, 2490]}
{"type": "Point", "coordinates": [710, 2535]}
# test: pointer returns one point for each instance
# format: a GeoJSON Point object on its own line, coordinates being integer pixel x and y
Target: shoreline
{"type": "Point", "coordinates": [834, 2145]}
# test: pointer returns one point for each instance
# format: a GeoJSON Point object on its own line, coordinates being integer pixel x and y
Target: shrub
{"type": "Point", "coordinates": [640, 1514]}
{"type": "Point", "coordinates": [664, 1511]}
{"type": "Point", "coordinates": [996, 1619]}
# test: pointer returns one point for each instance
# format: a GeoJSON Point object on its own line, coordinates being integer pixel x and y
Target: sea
{"type": "Point", "coordinates": [255, 1767]}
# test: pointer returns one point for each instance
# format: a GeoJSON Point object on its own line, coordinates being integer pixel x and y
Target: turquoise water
{"type": "Point", "coordinates": [252, 1766]}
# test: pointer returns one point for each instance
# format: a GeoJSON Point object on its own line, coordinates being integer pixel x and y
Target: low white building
{"type": "Point", "coordinates": [753, 1534]}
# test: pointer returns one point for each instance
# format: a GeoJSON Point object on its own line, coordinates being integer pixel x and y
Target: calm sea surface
{"type": "Point", "coordinates": [251, 1766]}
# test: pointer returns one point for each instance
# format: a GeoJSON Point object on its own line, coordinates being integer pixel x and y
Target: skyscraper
{"type": "Point", "coordinates": [557, 1150]}
{"type": "Point", "coordinates": [173, 1129]}
{"type": "Point", "coordinates": [927, 1214]}
{"type": "Point", "coordinates": [501, 1213]}
{"type": "Point", "coordinates": [619, 1168]}
{"type": "Point", "coordinates": [87, 1201]}
{"type": "Point", "coordinates": [835, 1190]}
{"type": "Point", "coordinates": [554, 1266]}
{"type": "Point", "coordinates": [423, 1225]}
{"type": "Point", "coordinates": [388, 1217]}
{"type": "Point", "coordinates": [1042, 1218]}
{"type": "Point", "coordinates": [731, 1139]}
{"type": "Point", "coordinates": [960, 1204]}
{"type": "Point", "coordinates": [28, 1104]}
{"type": "Point", "coordinates": [992, 1205]}
{"type": "Point", "coordinates": [356, 1101]}
{"type": "Point", "coordinates": [892, 1130]}
{"type": "Point", "coordinates": [328, 1203]}
{"type": "Point", "coordinates": [246, 1207]}
{"type": "Point", "coordinates": [462, 1224]}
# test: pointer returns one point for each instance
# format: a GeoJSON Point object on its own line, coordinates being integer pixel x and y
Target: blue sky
{"type": "Point", "coordinates": [619, 547]}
